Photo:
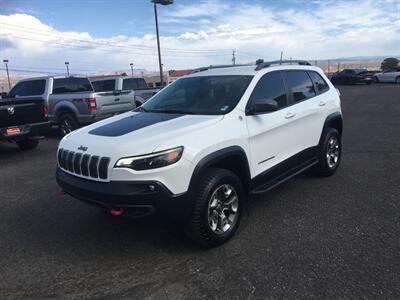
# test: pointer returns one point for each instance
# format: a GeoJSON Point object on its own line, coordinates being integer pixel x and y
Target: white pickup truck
{"type": "Point", "coordinates": [126, 84]}
{"type": "Point", "coordinates": [72, 101]}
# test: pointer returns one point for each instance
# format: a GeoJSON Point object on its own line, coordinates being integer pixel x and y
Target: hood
{"type": "Point", "coordinates": [136, 133]}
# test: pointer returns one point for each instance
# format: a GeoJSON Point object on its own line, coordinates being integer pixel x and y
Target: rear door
{"type": "Point", "coordinates": [110, 100]}
{"type": "Point", "coordinates": [308, 108]}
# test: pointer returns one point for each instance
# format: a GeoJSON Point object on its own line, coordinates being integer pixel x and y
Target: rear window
{"type": "Point", "coordinates": [71, 85]}
{"type": "Point", "coordinates": [134, 84]}
{"type": "Point", "coordinates": [300, 85]}
{"type": "Point", "coordinates": [104, 85]}
{"type": "Point", "coordinates": [28, 88]}
{"type": "Point", "coordinates": [319, 82]}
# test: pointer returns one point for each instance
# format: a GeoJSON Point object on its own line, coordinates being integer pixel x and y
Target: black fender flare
{"type": "Point", "coordinates": [334, 120]}
{"type": "Point", "coordinates": [218, 156]}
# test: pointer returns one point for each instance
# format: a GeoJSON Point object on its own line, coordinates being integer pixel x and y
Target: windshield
{"type": "Point", "coordinates": [202, 95]}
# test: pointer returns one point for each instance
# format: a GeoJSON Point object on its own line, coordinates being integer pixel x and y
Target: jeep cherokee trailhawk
{"type": "Point", "coordinates": [198, 147]}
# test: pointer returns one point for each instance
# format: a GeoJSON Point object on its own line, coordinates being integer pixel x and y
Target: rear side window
{"type": "Point", "coordinates": [300, 85]}
{"type": "Point", "coordinates": [29, 88]}
{"type": "Point", "coordinates": [104, 85]}
{"type": "Point", "coordinates": [134, 84]}
{"type": "Point", "coordinates": [319, 82]}
{"type": "Point", "coordinates": [20, 89]}
{"type": "Point", "coordinates": [271, 87]}
{"type": "Point", "coordinates": [71, 85]}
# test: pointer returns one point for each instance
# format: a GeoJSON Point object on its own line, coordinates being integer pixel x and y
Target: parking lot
{"type": "Point", "coordinates": [335, 237]}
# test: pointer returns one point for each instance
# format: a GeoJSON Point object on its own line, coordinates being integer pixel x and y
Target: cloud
{"type": "Point", "coordinates": [206, 33]}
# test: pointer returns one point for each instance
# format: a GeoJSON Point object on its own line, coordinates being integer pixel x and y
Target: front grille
{"type": "Point", "coordinates": [83, 164]}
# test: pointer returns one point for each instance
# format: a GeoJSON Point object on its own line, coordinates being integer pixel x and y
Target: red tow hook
{"type": "Point", "coordinates": [62, 192]}
{"type": "Point", "coordinates": [117, 211]}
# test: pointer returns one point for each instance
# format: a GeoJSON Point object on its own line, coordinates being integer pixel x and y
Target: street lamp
{"type": "Point", "coordinates": [131, 68]}
{"type": "Point", "coordinates": [67, 64]}
{"type": "Point", "coordinates": [162, 2]}
{"type": "Point", "coordinates": [8, 75]}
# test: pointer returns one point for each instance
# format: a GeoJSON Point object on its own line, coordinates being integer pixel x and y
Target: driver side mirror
{"type": "Point", "coordinates": [262, 106]}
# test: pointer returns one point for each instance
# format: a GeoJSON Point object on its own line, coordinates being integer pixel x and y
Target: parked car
{"type": "Point", "coordinates": [199, 146]}
{"type": "Point", "coordinates": [23, 121]}
{"type": "Point", "coordinates": [72, 101]}
{"type": "Point", "coordinates": [352, 76]}
{"type": "Point", "coordinates": [392, 75]}
{"type": "Point", "coordinates": [126, 84]}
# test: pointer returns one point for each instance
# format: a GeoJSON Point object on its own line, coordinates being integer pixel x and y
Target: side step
{"type": "Point", "coordinates": [283, 177]}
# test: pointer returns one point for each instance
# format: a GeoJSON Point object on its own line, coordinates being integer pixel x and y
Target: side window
{"type": "Point", "coordinates": [20, 89]}
{"type": "Point", "coordinates": [71, 85]}
{"type": "Point", "coordinates": [319, 82]}
{"type": "Point", "coordinates": [104, 85]}
{"type": "Point", "coordinates": [270, 86]}
{"type": "Point", "coordinates": [37, 87]}
{"type": "Point", "coordinates": [300, 85]}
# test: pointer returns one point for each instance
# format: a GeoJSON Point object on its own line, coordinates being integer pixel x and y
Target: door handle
{"type": "Point", "coordinates": [289, 115]}
{"type": "Point", "coordinates": [322, 103]}
{"type": "Point", "coordinates": [116, 99]}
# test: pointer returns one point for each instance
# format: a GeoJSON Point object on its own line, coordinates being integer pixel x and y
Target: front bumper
{"type": "Point", "coordinates": [27, 130]}
{"type": "Point", "coordinates": [137, 198]}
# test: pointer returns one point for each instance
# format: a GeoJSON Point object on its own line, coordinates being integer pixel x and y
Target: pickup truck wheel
{"type": "Point", "coordinates": [376, 80]}
{"type": "Point", "coordinates": [28, 144]}
{"type": "Point", "coordinates": [67, 123]}
{"type": "Point", "coordinates": [217, 208]}
{"type": "Point", "coordinates": [330, 151]}
{"type": "Point", "coordinates": [398, 79]}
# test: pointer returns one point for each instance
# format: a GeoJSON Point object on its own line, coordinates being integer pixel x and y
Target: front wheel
{"type": "Point", "coordinates": [330, 151]}
{"type": "Point", "coordinates": [398, 80]}
{"type": "Point", "coordinates": [28, 144]}
{"type": "Point", "coordinates": [376, 80]}
{"type": "Point", "coordinates": [217, 210]}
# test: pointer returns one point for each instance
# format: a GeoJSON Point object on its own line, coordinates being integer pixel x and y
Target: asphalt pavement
{"type": "Point", "coordinates": [310, 238]}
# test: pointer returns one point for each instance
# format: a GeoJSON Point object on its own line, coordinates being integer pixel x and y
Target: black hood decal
{"type": "Point", "coordinates": [132, 123]}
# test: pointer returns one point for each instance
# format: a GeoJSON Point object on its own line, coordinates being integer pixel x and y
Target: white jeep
{"type": "Point", "coordinates": [196, 149]}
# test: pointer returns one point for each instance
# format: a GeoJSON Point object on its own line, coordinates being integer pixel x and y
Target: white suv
{"type": "Point", "coordinates": [197, 148]}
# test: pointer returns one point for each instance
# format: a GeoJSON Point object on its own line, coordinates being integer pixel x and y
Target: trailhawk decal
{"type": "Point", "coordinates": [132, 123]}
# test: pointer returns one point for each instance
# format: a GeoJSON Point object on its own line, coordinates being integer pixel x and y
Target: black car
{"type": "Point", "coordinates": [23, 121]}
{"type": "Point", "coordinates": [353, 76]}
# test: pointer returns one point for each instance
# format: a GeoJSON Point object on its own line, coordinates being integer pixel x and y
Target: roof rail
{"type": "Point", "coordinates": [281, 62]}
{"type": "Point", "coordinates": [201, 69]}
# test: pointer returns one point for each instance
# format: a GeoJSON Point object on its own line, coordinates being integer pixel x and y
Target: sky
{"type": "Point", "coordinates": [99, 35]}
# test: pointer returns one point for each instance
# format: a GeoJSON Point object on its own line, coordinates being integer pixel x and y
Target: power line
{"type": "Point", "coordinates": [139, 47]}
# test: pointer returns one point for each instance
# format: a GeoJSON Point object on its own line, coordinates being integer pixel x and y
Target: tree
{"type": "Point", "coordinates": [389, 63]}
{"type": "Point", "coordinates": [259, 61]}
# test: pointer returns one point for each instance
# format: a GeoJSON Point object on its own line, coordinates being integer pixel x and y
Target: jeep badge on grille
{"type": "Point", "coordinates": [82, 148]}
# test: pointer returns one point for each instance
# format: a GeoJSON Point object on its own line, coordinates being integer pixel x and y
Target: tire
{"type": "Point", "coordinates": [331, 145]}
{"type": "Point", "coordinates": [397, 80]}
{"type": "Point", "coordinates": [376, 80]}
{"type": "Point", "coordinates": [28, 144]}
{"type": "Point", "coordinates": [67, 123]}
{"type": "Point", "coordinates": [215, 190]}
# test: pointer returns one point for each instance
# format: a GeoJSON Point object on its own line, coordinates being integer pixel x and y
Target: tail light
{"type": "Point", "coordinates": [91, 103]}
{"type": "Point", "coordinates": [45, 111]}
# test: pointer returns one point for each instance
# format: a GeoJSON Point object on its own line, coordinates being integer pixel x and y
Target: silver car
{"type": "Point", "coordinates": [391, 75]}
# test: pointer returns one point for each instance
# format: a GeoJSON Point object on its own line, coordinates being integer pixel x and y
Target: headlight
{"type": "Point", "coordinates": [151, 161]}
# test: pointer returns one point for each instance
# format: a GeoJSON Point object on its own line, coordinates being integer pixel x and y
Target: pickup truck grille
{"type": "Point", "coordinates": [83, 164]}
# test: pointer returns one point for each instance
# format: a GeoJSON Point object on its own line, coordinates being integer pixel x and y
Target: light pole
{"type": "Point", "coordinates": [67, 64]}
{"type": "Point", "coordinates": [131, 68]}
{"type": "Point", "coordinates": [8, 75]}
{"type": "Point", "coordinates": [162, 2]}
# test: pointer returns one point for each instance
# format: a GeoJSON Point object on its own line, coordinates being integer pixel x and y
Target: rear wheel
{"type": "Point", "coordinates": [28, 144]}
{"type": "Point", "coordinates": [67, 123]}
{"type": "Point", "coordinates": [398, 80]}
{"type": "Point", "coordinates": [330, 151]}
{"type": "Point", "coordinates": [217, 208]}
